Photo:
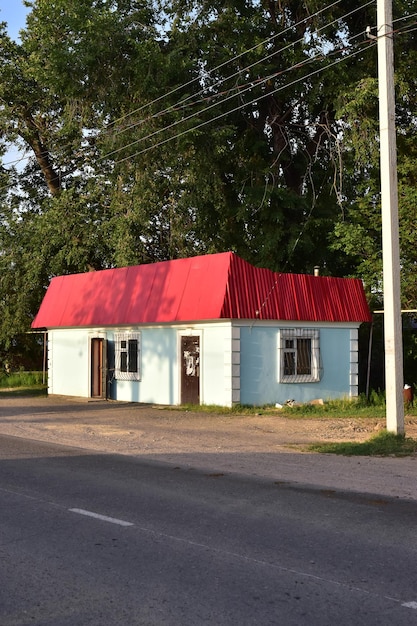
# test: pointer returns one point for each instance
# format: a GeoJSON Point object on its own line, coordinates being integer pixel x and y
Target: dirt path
{"type": "Point", "coordinates": [121, 427]}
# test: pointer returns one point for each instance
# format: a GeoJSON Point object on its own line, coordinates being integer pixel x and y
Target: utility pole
{"type": "Point", "coordinates": [394, 380]}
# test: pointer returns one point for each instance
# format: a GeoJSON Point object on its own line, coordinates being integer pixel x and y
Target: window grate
{"type": "Point", "coordinates": [127, 356]}
{"type": "Point", "coordinates": [299, 355]}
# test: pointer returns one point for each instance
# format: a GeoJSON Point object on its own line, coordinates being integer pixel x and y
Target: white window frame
{"type": "Point", "coordinates": [288, 335]}
{"type": "Point", "coordinates": [126, 366]}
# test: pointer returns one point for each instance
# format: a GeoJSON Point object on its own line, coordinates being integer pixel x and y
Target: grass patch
{"type": "Point", "coordinates": [361, 407]}
{"type": "Point", "coordinates": [22, 384]}
{"type": "Point", "coordinates": [382, 444]}
{"type": "Point", "coordinates": [373, 407]}
{"type": "Point", "coordinates": [36, 390]}
{"type": "Point", "coordinates": [216, 409]}
{"type": "Point", "coordinates": [20, 379]}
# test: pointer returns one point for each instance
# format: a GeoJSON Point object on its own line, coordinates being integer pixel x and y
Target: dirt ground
{"type": "Point", "coordinates": [130, 428]}
{"type": "Point", "coordinates": [263, 447]}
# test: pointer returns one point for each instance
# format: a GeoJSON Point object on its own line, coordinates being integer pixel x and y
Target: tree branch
{"type": "Point", "coordinates": [33, 138]}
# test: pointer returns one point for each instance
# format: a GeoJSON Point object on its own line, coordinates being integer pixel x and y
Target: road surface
{"type": "Point", "coordinates": [88, 538]}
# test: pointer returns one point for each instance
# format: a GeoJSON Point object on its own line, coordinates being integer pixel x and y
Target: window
{"type": "Point", "coordinates": [127, 356]}
{"type": "Point", "coordinates": [299, 355]}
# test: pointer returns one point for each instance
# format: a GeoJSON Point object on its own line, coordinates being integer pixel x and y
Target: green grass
{"type": "Point", "coordinates": [36, 390]}
{"type": "Point", "coordinates": [22, 384]}
{"type": "Point", "coordinates": [20, 379]}
{"type": "Point", "coordinates": [216, 409]}
{"type": "Point", "coordinates": [383, 444]}
{"type": "Point", "coordinates": [372, 407]}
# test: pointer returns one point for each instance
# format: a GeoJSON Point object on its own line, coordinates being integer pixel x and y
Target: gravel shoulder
{"type": "Point", "coordinates": [264, 446]}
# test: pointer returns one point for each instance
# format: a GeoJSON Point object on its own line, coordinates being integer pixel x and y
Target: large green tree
{"type": "Point", "coordinates": [358, 230]}
{"type": "Point", "coordinates": [155, 130]}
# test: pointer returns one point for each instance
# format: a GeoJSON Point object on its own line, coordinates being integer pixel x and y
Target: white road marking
{"type": "Point", "coordinates": [298, 572]}
{"type": "Point", "coordinates": [104, 518]}
{"type": "Point", "coordinates": [410, 605]}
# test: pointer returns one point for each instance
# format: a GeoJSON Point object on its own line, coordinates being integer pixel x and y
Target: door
{"type": "Point", "coordinates": [98, 371]}
{"type": "Point", "coordinates": [190, 370]}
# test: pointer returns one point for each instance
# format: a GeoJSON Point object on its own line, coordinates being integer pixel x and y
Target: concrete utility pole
{"type": "Point", "coordinates": [394, 380]}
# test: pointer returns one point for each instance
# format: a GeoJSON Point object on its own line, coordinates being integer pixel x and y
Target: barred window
{"type": "Point", "coordinates": [127, 356]}
{"type": "Point", "coordinates": [299, 355]}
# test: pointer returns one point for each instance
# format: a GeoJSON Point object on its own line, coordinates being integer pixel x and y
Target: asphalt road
{"type": "Point", "coordinates": [99, 539]}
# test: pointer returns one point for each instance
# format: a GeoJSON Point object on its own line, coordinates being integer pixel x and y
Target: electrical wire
{"type": "Point", "coordinates": [406, 17]}
{"type": "Point", "coordinates": [244, 105]}
{"type": "Point", "coordinates": [180, 104]}
{"type": "Point", "coordinates": [239, 90]}
{"type": "Point", "coordinates": [232, 59]}
{"type": "Point", "coordinates": [279, 34]}
{"type": "Point", "coordinates": [235, 58]}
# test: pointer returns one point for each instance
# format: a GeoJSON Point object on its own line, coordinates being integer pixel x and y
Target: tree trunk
{"type": "Point", "coordinates": [42, 155]}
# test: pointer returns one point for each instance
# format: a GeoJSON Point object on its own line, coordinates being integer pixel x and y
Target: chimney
{"type": "Point", "coordinates": [316, 270]}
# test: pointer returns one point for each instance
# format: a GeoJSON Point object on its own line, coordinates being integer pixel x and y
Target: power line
{"type": "Point", "coordinates": [238, 91]}
{"type": "Point", "coordinates": [242, 90]}
{"type": "Point", "coordinates": [309, 17]}
{"type": "Point", "coordinates": [235, 58]}
{"type": "Point", "coordinates": [406, 17]}
{"type": "Point", "coordinates": [260, 97]}
{"type": "Point", "coordinates": [295, 66]}
{"type": "Point", "coordinates": [181, 103]}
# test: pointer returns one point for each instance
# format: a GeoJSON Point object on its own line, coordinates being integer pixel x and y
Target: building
{"type": "Point", "coordinates": [209, 329]}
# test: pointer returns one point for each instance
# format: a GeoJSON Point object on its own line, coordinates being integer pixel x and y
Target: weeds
{"type": "Point", "coordinates": [20, 379]}
{"type": "Point", "coordinates": [360, 407]}
{"type": "Point", "coordinates": [22, 384]}
{"type": "Point", "coordinates": [37, 390]}
{"type": "Point", "coordinates": [383, 444]}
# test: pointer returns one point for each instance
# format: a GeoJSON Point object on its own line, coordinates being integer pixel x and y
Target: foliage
{"type": "Point", "coordinates": [383, 444]}
{"type": "Point", "coordinates": [358, 231]}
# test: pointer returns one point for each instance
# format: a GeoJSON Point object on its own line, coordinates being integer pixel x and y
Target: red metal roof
{"type": "Point", "coordinates": [210, 287]}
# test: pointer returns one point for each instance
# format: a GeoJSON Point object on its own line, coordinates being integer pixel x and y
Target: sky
{"type": "Point", "coordinates": [14, 13]}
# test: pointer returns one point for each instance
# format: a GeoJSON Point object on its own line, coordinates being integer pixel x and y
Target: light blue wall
{"type": "Point", "coordinates": [259, 367]}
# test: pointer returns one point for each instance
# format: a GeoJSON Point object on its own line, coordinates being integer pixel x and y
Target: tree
{"type": "Point", "coordinates": [270, 155]}
{"type": "Point", "coordinates": [191, 128]}
{"type": "Point", "coordinates": [358, 232]}
{"type": "Point", "coordinates": [55, 100]}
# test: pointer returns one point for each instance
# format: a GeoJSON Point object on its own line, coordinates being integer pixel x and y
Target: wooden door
{"type": "Point", "coordinates": [98, 386]}
{"type": "Point", "coordinates": [190, 370]}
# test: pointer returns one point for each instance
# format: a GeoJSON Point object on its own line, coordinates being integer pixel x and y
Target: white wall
{"type": "Point", "coordinates": [68, 363]}
{"type": "Point", "coordinates": [216, 382]}
{"type": "Point", "coordinates": [158, 382]}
